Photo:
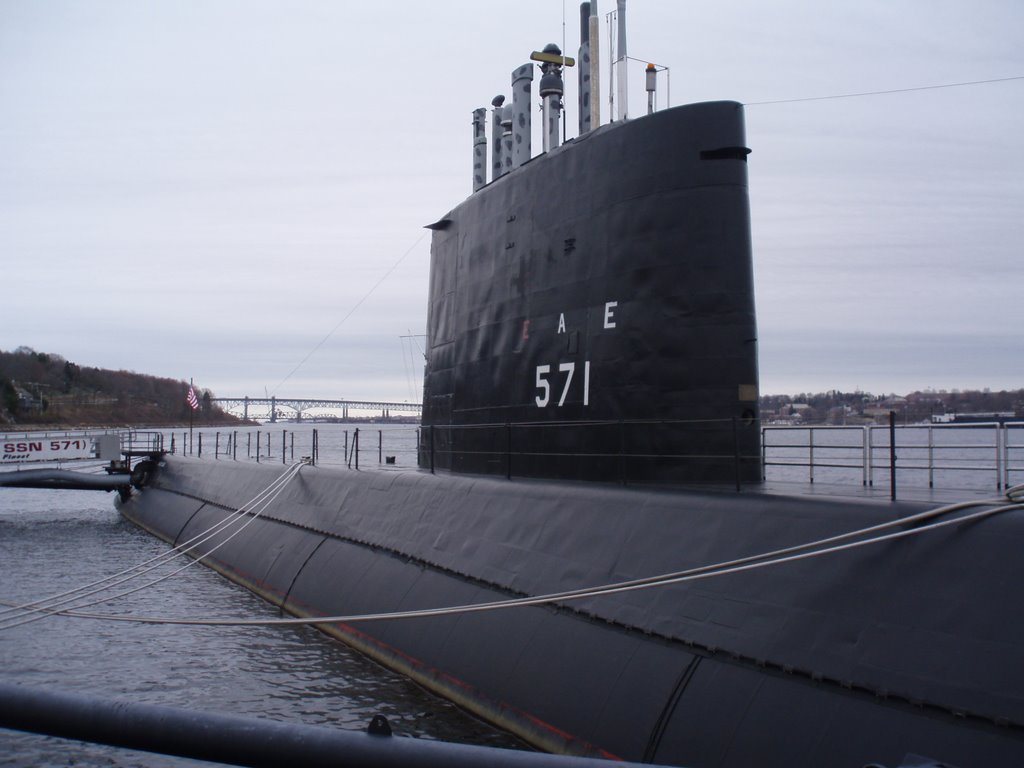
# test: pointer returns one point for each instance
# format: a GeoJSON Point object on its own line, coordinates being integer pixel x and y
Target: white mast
{"type": "Point", "coordinates": [620, 58]}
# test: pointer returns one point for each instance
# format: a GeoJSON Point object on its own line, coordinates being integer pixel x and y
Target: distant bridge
{"type": "Point", "coordinates": [299, 408]}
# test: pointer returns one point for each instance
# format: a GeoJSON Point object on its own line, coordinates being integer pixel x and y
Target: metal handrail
{"type": "Point", "coordinates": [728, 426]}
{"type": "Point", "coordinates": [995, 456]}
{"type": "Point", "coordinates": [936, 455]}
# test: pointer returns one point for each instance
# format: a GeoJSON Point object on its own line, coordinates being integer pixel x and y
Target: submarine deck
{"type": "Point", "coordinates": [839, 641]}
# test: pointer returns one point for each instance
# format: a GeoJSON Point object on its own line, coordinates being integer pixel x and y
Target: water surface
{"type": "Point", "coordinates": [55, 540]}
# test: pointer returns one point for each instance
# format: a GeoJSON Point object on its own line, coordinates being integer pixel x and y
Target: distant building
{"type": "Point", "coordinates": [27, 401]}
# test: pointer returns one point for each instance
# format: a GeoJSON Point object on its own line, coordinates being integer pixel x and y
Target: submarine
{"type": "Point", "coordinates": [585, 555]}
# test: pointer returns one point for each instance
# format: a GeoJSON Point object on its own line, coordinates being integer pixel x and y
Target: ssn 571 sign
{"type": "Point", "coordinates": [47, 449]}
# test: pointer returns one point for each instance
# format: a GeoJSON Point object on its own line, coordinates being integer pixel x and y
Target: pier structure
{"type": "Point", "coordinates": [299, 408]}
{"type": "Point", "coordinates": [50, 451]}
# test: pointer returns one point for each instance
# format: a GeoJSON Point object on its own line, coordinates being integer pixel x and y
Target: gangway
{"type": "Point", "coordinates": [53, 450]}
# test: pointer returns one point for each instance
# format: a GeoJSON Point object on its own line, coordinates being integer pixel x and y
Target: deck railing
{"type": "Point", "coordinates": [937, 455]}
{"type": "Point", "coordinates": [941, 456]}
{"type": "Point", "coordinates": [623, 451]}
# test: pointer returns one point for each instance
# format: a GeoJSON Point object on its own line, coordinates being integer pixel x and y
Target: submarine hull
{"type": "Point", "coordinates": [853, 658]}
{"type": "Point", "coordinates": [591, 334]}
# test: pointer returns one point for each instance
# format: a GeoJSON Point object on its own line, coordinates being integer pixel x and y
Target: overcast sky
{"type": "Point", "coordinates": [208, 188]}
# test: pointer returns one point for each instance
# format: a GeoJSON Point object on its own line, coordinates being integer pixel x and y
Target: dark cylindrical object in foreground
{"type": "Point", "coordinates": [243, 741]}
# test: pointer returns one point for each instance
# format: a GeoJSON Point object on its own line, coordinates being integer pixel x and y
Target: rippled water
{"type": "Point", "coordinates": [54, 540]}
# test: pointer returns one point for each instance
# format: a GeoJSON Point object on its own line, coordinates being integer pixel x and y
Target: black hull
{"type": "Point", "coordinates": [863, 657]}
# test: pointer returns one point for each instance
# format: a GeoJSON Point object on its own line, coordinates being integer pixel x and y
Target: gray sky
{"type": "Point", "coordinates": [208, 188]}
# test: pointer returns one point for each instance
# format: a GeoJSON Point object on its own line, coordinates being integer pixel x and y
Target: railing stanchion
{"type": "Point", "coordinates": [892, 455]}
{"type": "Point", "coordinates": [931, 457]}
{"type": "Point", "coordinates": [764, 454]}
{"type": "Point", "coordinates": [871, 457]}
{"type": "Point", "coordinates": [622, 452]}
{"type": "Point", "coordinates": [736, 451]}
{"type": "Point", "coordinates": [431, 449]}
{"type": "Point", "coordinates": [1006, 455]}
{"type": "Point", "coordinates": [508, 451]}
{"type": "Point", "coordinates": [810, 453]}
{"type": "Point", "coordinates": [864, 459]}
{"type": "Point", "coordinates": [999, 457]}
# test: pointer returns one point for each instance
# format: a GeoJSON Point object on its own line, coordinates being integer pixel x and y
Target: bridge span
{"type": "Point", "coordinates": [299, 408]}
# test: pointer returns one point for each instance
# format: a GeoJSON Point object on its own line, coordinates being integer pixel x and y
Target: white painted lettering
{"type": "Point", "coordinates": [570, 367]}
{"type": "Point", "coordinates": [48, 450]}
{"type": "Point", "coordinates": [542, 384]}
{"type": "Point", "coordinates": [609, 314]}
{"type": "Point", "coordinates": [543, 398]}
{"type": "Point", "coordinates": [561, 323]}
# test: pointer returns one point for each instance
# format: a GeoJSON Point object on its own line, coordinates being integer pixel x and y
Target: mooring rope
{"type": "Point", "coordinates": [818, 548]}
{"type": "Point", "coordinates": [177, 551]}
{"type": "Point", "coordinates": [251, 510]}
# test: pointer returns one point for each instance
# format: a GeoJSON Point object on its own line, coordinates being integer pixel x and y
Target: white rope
{"type": "Point", "coordinates": [39, 609]}
{"type": "Point", "coordinates": [753, 562]}
{"type": "Point", "coordinates": [177, 551]}
{"type": "Point", "coordinates": [41, 612]}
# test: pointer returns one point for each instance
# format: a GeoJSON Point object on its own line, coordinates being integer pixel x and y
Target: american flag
{"type": "Point", "coordinates": [192, 399]}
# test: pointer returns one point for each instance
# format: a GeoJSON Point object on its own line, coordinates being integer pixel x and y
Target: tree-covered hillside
{"type": "Point", "coordinates": [39, 388]}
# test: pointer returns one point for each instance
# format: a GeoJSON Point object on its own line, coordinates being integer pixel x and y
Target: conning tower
{"type": "Point", "coordinates": [591, 311]}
